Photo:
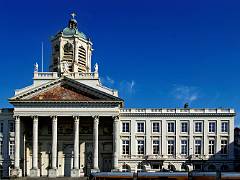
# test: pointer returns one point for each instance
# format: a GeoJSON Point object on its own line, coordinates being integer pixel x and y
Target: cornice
{"type": "Point", "coordinates": [177, 114]}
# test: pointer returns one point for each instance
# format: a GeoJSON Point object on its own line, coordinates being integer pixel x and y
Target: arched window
{"type": "Point", "coordinates": [126, 168]}
{"type": "Point", "coordinates": [68, 55]}
{"type": "Point", "coordinates": [211, 168]}
{"type": "Point", "coordinates": [82, 59]}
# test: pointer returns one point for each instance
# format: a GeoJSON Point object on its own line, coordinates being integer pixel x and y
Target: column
{"type": "Point", "coordinates": [53, 171]}
{"type": "Point", "coordinates": [177, 138]}
{"type": "Point", "coordinates": [164, 138]}
{"type": "Point", "coordinates": [75, 171]}
{"type": "Point", "coordinates": [34, 172]}
{"type": "Point", "coordinates": [95, 143]}
{"type": "Point", "coordinates": [115, 142]}
{"type": "Point", "coordinates": [17, 172]}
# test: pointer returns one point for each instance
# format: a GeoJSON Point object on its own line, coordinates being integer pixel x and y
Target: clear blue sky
{"type": "Point", "coordinates": [156, 53]}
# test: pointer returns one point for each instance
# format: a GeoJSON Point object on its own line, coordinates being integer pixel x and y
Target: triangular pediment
{"type": "Point", "coordinates": [65, 89]}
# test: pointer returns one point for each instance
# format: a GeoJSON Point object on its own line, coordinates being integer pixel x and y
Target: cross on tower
{"type": "Point", "coordinates": [73, 15]}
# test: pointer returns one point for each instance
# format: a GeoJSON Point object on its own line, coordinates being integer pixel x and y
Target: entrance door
{"type": "Point", "coordinates": [68, 160]}
{"type": "Point", "coordinates": [107, 164]}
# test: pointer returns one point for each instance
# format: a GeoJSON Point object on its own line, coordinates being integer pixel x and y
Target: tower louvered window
{"type": "Point", "coordinates": [68, 55]}
{"type": "Point", "coordinates": [82, 59]}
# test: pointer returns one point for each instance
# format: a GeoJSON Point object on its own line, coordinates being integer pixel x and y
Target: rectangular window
{"type": "Point", "coordinates": [125, 127]}
{"type": "Point", "coordinates": [171, 147]}
{"type": "Point", "coordinates": [224, 127]}
{"type": "Point", "coordinates": [184, 147]}
{"type": "Point", "coordinates": [155, 127]}
{"type": "Point", "coordinates": [11, 148]}
{"type": "Point", "coordinates": [212, 127]}
{"type": "Point", "coordinates": [125, 147]}
{"type": "Point", "coordinates": [198, 127]}
{"type": "Point", "coordinates": [1, 147]}
{"type": "Point", "coordinates": [184, 127]}
{"type": "Point", "coordinates": [11, 127]}
{"type": "Point", "coordinates": [171, 127]}
{"type": "Point", "coordinates": [211, 147]}
{"type": "Point", "coordinates": [224, 146]}
{"type": "Point", "coordinates": [140, 127]}
{"type": "Point", "coordinates": [198, 147]}
{"type": "Point", "coordinates": [155, 146]}
{"type": "Point", "coordinates": [140, 146]}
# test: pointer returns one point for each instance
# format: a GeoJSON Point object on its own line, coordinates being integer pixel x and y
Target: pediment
{"type": "Point", "coordinates": [65, 89]}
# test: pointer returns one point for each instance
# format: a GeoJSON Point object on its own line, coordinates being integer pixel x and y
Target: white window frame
{"type": "Point", "coordinates": [11, 147]}
{"type": "Point", "coordinates": [198, 127]}
{"type": "Point", "coordinates": [212, 126]}
{"type": "Point", "coordinates": [224, 146]}
{"type": "Point", "coordinates": [196, 145]}
{"type": "Point", "coordinates": [224, 126]}
{"type": "Point", "coordinates": [171, 127]}
{"type": "Point", "coordinates": [142, 128]}
{"type": "Point", "coordinates": [154, 130]}
{"type": "Point", "coordinates": [124, 127]}
{"type": "Point", "coordinates": [170, 146]}
{"type": "Point", "coordinates": [184, 147]}
{"type": "Point", "coordinates": [125, 147]}
{"type": "Point", "coordinates": [184, 122]}
{"type": "Point", "coordinates": [140, 146]}
{"type": "Point", "coordinates": [155, 145]}
{"type": "Point", "coordinates": [211, 146]}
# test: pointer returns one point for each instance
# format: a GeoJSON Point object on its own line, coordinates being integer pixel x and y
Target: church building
{"type": "Point", "coordinates": [67, 123]}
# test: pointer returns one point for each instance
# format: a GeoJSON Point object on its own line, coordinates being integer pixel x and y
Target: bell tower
{"type": "Point", "coordinates": [71, 50]}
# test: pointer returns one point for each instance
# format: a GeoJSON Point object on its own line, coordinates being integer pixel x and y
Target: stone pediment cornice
{"type": "Point", "coordinates": [100, 96]}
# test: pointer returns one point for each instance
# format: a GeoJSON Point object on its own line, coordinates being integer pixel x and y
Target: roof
{"type": "Point", "coordinates": [73, 31]}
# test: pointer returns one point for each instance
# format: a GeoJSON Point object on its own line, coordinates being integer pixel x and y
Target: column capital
{"type": "Point", "coordinates": [115, 118]}
{"type": "Point", "coordinates": [16, 117]}
{"type": "Point", "coordinates": [54, 118]}
{"type": "Point", "coordinates": [76, 118]}
{"type": "Point", "coordinates": [96, 118]}
{"type": "Point", "coordinates": [35, 117]}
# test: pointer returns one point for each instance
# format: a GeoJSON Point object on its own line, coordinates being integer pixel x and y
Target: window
{"type": "Point", "coordinates": [171, 147]}
{"type": "Point", "coordinates": [211, 147]}
{"type": "Point", "coordinates": [1, 147]}
{"type": "Point", "coordinates": [198, 146]}
{"type": "Point", "coordinates": [125, 127]}
{"type": "Point", "coordinates": [224, 146]}
{"type": "Point", "coordinates": [198, 127]}
{"type": "Point", "coordinates": [211, 127]}
{"type": "Point", "coordinates": [125, 147]}
{"type": "Point", "coordinates": [224, 126]}
{"type": "Point", "coordinates": [171, 127]}
{"type": "Point", "coordinates": [184, 127]}
{"type": "Point", "coordinates": [140, 146]}
{"type": "Point", "coordinates": [155, 127]}
{"type": "Point", "coordinates": [1, 127]}
{"type": "Point", "coordinates": [11, 148]}
{"type": "Point", "coordinates": [140, 127]}
{"type": "Point", "coordinates": [11, 127]}
{"type": "Point", "coordinates": [184, 147]}
{"type": "Point", "coordinates": [155, 146]}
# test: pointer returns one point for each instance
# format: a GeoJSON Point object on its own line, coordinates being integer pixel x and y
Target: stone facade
{"type": "Point", "coordinates": [68, 124]}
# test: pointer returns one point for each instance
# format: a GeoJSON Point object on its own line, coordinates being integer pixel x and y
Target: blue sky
{"type": "Point", "coordinates": [156, 53]}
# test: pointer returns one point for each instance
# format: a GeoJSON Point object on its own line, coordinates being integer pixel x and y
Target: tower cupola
{"type": "Point", "coordinates": [71, 50]}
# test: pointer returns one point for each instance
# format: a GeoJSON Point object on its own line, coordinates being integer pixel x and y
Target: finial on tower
{"type": "Point", "coordinates": [36, 67]}
{"type": "Point", "coordinates": [73, 14]}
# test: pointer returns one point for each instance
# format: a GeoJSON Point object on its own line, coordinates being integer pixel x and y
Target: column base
{"type": "Point", "coordinates": [52, 173]}
{"type": "Point", "coordinates": [16, 173]}
{"type": "Point", "coordinates": [95, 170]}
{"type": "Point", "coordinates": [75, 172]}
{"type": "Point", "coordinates": [34, 172]}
